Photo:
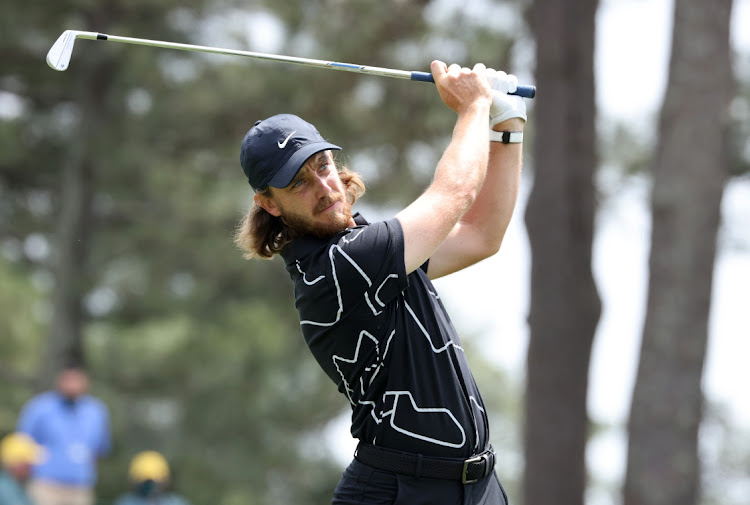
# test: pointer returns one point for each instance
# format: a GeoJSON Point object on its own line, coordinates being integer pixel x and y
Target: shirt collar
{"type": "Point", "coordinates": [304, 245]}
{"type": "Point", "coordinates": [359, 219]}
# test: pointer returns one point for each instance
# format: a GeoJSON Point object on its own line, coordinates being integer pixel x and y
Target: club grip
{"type": "Point", "coordinates": [524, 91]}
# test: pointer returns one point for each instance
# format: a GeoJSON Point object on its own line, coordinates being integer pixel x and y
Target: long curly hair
{"type": "Point", "coordinates": [261, 235]}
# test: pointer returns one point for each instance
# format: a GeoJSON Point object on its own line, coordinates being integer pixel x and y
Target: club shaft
{"type": "Point", "coordinates": [525, 91]}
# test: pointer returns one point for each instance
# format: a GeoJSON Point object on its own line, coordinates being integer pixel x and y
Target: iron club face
{"type": "Point", "coordinates": [59, 54]}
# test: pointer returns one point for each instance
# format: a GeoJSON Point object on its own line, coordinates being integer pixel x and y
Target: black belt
{"type": "Point", "coordinates": [466, 470]}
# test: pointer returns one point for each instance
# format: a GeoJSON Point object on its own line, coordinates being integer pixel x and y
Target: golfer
{"type": "Point", "coordinates": [368, 311]}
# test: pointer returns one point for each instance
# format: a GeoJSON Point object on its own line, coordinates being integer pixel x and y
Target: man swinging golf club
{"type": "Point", "coordinates": [368, 311]}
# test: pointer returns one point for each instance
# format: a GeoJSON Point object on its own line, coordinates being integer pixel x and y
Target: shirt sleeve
{"type": "Point", "coordinates": [370, 259]}
{"type": "Point", "coordinates": [27, 420]}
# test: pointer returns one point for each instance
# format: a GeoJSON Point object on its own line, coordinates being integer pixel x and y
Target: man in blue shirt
{"type": "Point", "coordinates": [73, 427]}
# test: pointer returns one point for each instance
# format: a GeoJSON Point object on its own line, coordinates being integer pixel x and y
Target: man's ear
{"type": "Point", "coordinates": [267, 203]}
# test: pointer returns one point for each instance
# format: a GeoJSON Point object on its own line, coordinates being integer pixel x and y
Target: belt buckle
{"type": "Point", "coordinates": [469, 461]}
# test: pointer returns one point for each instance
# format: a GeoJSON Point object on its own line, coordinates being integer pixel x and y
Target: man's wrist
{"type": "Point", "coordinates": [506, 137]}
{"type": "Point", "coordinates": [475, 107]}
{"type": "Point", "coordinates": [512, 124]}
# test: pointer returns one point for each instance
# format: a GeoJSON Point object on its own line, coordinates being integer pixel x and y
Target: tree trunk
{"type": "Point", "coordinates": [75, 221]}
{"type": "Point", "coordinates": [65, 345]}
{"type": "Point", "coordinates": [565, 304]}
{"type": "Point", "coordinates": [689, 173]}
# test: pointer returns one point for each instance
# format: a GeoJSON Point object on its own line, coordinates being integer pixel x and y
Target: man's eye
{"type": "Point", "coordinates": [297, 184]}
{"type": "Point", "coordinates": [323, 167]}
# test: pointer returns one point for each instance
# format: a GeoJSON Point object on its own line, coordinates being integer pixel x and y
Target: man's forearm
{"type": "Point", "coordinates": [463, 166]}
{"type": "Point", "coordinates": [493, 208]}
{"type": "Point", "coordinates": [458, 179]}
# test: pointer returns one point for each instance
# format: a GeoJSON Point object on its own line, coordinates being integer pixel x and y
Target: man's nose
{"type": "Point", "coordinates": [321, 186]}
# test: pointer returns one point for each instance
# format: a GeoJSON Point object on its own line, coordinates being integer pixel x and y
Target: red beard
{"type": "Point", "coordinates": [337, 220]}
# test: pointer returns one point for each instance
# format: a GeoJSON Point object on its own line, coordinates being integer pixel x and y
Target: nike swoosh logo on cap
{"type": "Point", "coordinates": [282, 145]}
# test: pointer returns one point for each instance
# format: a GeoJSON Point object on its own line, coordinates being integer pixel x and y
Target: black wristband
{"type": "Point", "coordinates": [506, 137]}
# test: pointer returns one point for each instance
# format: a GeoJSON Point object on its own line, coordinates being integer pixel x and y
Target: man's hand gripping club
{"type": "Point", "coordinates": [460, 88]}
{"type": "Point", "coordinates": [505, 107]}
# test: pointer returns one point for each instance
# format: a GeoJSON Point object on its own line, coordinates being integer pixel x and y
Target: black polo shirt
{"type": "Point", "coordinates": [386, 340]}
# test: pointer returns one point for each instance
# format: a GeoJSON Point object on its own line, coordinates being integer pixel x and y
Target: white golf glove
{"type": "Point", "coordinates": [504, 106]}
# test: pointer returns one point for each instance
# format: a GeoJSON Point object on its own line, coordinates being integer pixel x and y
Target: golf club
{"type": "Point", "coordinates": [59, 55]}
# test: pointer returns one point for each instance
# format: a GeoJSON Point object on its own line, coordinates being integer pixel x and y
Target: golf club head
{"type": "Point", "coordinates": [59, 54]}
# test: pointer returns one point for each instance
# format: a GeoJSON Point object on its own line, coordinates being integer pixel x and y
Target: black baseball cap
{"type": "Point", "coordinates": [274, 150]}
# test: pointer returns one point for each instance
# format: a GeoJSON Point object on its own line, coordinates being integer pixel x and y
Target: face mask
{"type": "Point", "coordinates": [145, 488]}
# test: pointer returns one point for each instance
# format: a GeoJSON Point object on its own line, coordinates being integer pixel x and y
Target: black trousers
{"type": "Point", "coordinates": [364, 485]}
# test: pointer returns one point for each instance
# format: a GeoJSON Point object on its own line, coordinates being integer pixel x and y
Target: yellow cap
{"type": "Point", "coordinates": [19, 448]}
{"type": "Point", "coordinates": [149, 465]}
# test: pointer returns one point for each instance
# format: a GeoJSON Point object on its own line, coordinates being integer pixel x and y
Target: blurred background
{"type": "Point", "coordinates": [609, 336]}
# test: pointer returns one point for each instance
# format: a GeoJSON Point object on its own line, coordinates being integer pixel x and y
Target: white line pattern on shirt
{"type": "Point", "coordinates": [427, 335]}
{"type": "Point", "coordinates": [371, 370]}
{"type": "Point", "coordinates": [418, 411]}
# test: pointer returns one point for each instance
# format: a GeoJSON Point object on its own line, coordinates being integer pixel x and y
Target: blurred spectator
{"type": "Point", "coordinates": [17, 453]}
{"type": "Point", "coordinates": [73, 427]}
{"type": "Point", "coordinates": [149, 480]}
